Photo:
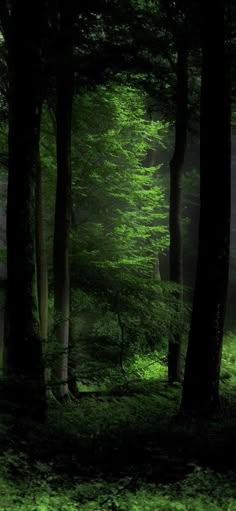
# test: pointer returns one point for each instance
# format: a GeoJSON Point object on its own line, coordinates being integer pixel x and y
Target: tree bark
{"type": "Point", "coordinates": [25, 381]}
{"type": "Point", "coordinates": [201, 383]}
{"type": "Point", "coordinates": [72, 370]}
{"type": "Point", "coordinates": [175, 218]}
{"type": "Point", "coordinates": [2, 318]}
{"type": "Point", "coordinates": [64, 85]}
{"type": "Point", "coordinates": [42, 265]}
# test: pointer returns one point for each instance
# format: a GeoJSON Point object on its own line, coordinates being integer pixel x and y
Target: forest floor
{"type": "Point", "coordinates": [126, 449]}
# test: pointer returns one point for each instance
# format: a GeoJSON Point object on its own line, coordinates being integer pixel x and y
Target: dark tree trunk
{"type": "Point", "coordinates": [63, 204]}
{"type": "Point", "coordinates": [175, 219]}
{"type": "Point", "coordinates": [73, 362]}
{"type": "Point", "coordinates": [42, 265]}
{"type": "Point", "coordinates": [72, 370]}
{"type": "Point", "coordinates": [2, 321]}
{"type": "Point", "coordinates": [23, 343]}
{"type": "Point", "coordinates": [201, 383]}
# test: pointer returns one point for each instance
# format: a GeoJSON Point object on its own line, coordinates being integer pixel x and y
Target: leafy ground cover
{"type": "Point", "coordinates": [124, 447]}
{"type": "Point", "coordinates": [203, 490]}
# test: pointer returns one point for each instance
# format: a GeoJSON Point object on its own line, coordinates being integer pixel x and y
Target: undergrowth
{"type": "Point", "coordinates": [123, 446]}
{"type": "Point", "coordinates": [203, 490]}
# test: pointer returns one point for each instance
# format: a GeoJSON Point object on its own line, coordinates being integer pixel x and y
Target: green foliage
{"type": "Point", "coordinates": [119, 304]}
{"type": "Point", "coordinates": [112, 414]}
{"type": "Point", "coordinates": [119, 220]}
{"type": "Point", "coordinates": [229, 359]}
{"type": "Point", "coordinates": [142, 417]}
{"type": "Point", "coordinates": [42, 490]}
{"type": "Point", "coordinates": [201, 491]}
{"type": "Point", "coordinates": [228, 369]}
{"type": "Point", "coordinates": [119, 203]}
{"type": "Point", "coordinates": [107, 338]}
{"type": "Point", "coordinates": [151, 366]}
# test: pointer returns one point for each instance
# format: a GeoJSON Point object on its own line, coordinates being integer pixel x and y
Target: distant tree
{"type": "Point", "coordinates": [120, 214]}
{"type": "Point", "coordinates": [64, 101]}
{"type": "Point", "coordinates": [119, 207]}
{"type": "Point", "coordinates": [201, 382]}
{"type": "Point", "coordinates": [41, 259]}
{"type": "Point", "coordinates": [176, 177]}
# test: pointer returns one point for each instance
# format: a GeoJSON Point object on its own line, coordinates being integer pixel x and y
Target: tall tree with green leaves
{"type": "Point", "coordinates": [118, 202]}
{"type": "Point", "coordinates": [119, 207]}
{"type": "Point", "coordinates": [201, 381]}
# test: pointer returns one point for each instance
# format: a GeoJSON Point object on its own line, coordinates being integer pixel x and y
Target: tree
{"type": "Point", "coordinates": [175, 221]}
{"type": "Point", "coordinates": [23, 344]}
{"type": "Point", "coordinates": [120, 212]}
{"type": "Point", "coordinates": [201, 382]}
{"type": "Point", "coordinates": [177, 19]}
{"type": "Point", "coordinates": [64, 101]}
{"type": "Point", "coordinates": [118, 202]}
{"type": "Point", "coordinates": [41, 260]}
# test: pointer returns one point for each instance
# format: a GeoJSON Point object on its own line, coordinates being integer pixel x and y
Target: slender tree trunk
{"type": "Point", "coordinates": [42, 265]}
{"type": "Point", "coordinates": [201, 383]}
{"type": "Point", "coordinates": [23, 344]}
{"type": "Point", "coordinates": [72, 364]}
{"type": "Point", "coordinates": [2, 328]}
{"type": "Point", "coordinates": [156, 269]}
{"type": "Point", "coordinates": [63, 205]}
{"type": "Point", "coordinates": [175, 219]}
{"type": "Point", "coordinates": [122, 343]}
{"type": "Point", "coordinates": [5, 337]}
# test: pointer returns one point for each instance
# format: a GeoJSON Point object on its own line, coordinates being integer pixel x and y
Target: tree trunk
{"type": "Point", "coordinates": [63, 205]}
{"type": "Point", "coordinates": [2, 321]}
{"type": "Point", "coordinates": [175, 219]}
{"type": "Point", "coordinates": [156, 269]}
{"type": "Point", "coordinates": [201, 383]}
{"type": "Point", "coordinates": [42, 266]}
{"type": "Point", "coordinates": [73, 388]}
{"type": "Point", "coordinates": [25, 386]}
